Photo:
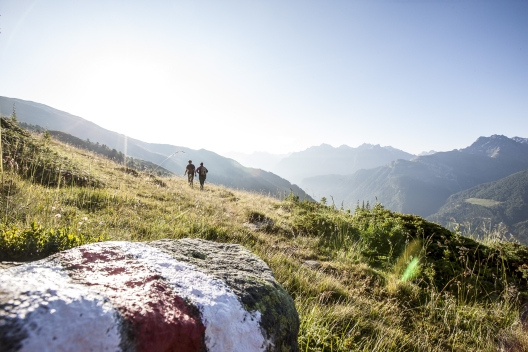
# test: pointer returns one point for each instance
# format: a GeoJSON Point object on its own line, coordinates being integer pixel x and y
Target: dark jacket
{"type": "Point", "coordinates": [190, 169]}
{"type": "Point", "coordinates": [199, 171]}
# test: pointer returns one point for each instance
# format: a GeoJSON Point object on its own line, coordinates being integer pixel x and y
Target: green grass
{"type": "Point", "coordinates": [462, 295]}
{"type": "Point", "coordinates": [483, 202]}
{"type": "Point", "coordinates": [35, 242]}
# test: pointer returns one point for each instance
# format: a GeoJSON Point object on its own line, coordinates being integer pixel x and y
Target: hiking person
{"type": "Point", "coordinates": [202, 174]}
{"type": "Point", "coordinates": [190, 170]}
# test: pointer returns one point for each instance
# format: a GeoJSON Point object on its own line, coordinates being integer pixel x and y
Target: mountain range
{"type": "Point", "coordinates": [223, 170]}
{"type": "Point", "coordinates": [422, 185]}
{"type": "Point", "coordinates": [484, 183]}
{"type": "Point", "coordinates": [343, 160]}
{"type": "Point", "coordinates": [260, 160]}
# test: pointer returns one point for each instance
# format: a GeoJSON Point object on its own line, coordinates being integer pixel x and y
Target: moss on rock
{"type": "Point", "coordinates": [251, 280]}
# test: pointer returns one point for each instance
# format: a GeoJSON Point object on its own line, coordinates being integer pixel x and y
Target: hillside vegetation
{"type": "Point", "coordinates": [226, 171]}
{"type": "Point", "coordinates": [503, 203]}
{"type": "Point", "coordinates": [102, 149]}
{"type": "Point", "coordinates": [369, 280]}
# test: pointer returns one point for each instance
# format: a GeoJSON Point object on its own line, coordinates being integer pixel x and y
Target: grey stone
{"type": "Point", "coordinates": [250, 278]}
{"type": "Point", "coordinates": [128, 296]}
{"type": "Point", "coordinates": [260, 225]}
{"type": "Point", "coordinates": [312, 264]}
{"type": "Point", "coordinates": [6, 265]}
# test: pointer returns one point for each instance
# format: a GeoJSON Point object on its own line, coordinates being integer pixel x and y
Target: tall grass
{"type": "Point", "coordinates": [463, 295]}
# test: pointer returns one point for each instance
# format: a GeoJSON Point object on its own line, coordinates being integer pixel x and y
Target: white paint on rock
{"type": "Point", "coordinates": [228, 326]}
{"type": "Point", "coordinates": [57, 313]}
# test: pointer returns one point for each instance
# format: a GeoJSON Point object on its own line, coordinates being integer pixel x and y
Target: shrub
{"type": "Point", "coordinates": [37, 242]}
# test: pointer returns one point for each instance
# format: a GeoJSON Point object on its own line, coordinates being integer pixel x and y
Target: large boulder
{"type": "Point", "coordinates": [168, 295]}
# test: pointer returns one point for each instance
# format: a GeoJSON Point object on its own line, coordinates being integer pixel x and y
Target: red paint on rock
{"type": "Point", "coordinates": [169, 324]}
{"type": "Point", "coordinates": [161, 320]}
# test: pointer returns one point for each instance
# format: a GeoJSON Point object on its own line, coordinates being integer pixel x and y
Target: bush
{"type": "Point", "coordinates": [36, 242]}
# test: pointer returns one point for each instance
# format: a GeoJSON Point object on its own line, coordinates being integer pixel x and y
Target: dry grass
{"type": "Point", "coordinates": [346, 304]}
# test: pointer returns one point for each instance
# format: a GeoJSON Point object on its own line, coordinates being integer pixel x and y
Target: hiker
{"type": "Point", "coordinates": [190, 170]}
{"type": "Point", "coordinates": [202, 174]}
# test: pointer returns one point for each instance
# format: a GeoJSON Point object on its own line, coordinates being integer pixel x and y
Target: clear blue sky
{"type": "Point", "coordinates": [275, 76]}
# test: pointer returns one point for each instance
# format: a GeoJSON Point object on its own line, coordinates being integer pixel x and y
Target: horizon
{"type": "Point", "coordinates": [245, 153]}
{"type": "Point", "coordinates": [275, 77]}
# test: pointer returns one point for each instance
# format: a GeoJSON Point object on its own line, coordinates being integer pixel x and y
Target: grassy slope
{"type": "Point", "coordinates": [224, 171]}
{"type": "Point", "coordinates": [465, 297]}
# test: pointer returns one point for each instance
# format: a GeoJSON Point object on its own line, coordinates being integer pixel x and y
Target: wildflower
{"type": "Point", "coordinates": [84, 219]}
{"type": "Point", "coordinates": [53, 208]}
{"type": "Point", "coordinates": [80, 223]}
{"type": "Point", "coordinates": [58, 216]}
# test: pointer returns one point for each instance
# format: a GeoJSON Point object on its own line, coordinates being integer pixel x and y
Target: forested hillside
{"type": "Point", "coordinates": [501, 204]}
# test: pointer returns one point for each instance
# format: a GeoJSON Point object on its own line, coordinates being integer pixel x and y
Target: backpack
{"type": "Point", "coordinates": [203, 171]}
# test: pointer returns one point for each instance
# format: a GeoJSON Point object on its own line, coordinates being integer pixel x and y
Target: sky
{"type": "Point", "coordinates": [275, 76]}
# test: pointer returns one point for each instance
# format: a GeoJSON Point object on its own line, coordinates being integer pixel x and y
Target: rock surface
{"type": "Point", "coordinates": [6, 265]}
{"type": "Point", "coordinates": [186, 295]}
{"type": "Point", "coordinates": [312, 264]}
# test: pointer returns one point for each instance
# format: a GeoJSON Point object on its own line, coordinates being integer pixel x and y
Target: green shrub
{"type": "Point", "coordinates": [37, 242]}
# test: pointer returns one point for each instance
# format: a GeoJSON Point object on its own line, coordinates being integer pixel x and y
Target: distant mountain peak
{"type": "Point", "coordinates": [498, 146]}
{"type": "Point", "coordinates": [368, 146]}
{"type": "Point", "coordinates": [520, 140]}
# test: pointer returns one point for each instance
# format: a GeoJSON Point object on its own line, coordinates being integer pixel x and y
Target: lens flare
{"type": "Point", "coordinates": [412, 270]}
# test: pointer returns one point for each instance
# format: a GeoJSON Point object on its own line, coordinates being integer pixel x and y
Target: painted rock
{"type": "Point", "coordinates": [186, 295]}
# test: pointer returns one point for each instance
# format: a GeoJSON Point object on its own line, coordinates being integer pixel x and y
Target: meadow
{"type": "Point", "coordinates": [483, 202]}
{"type": "Point", "coordinates": [363, 280]}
